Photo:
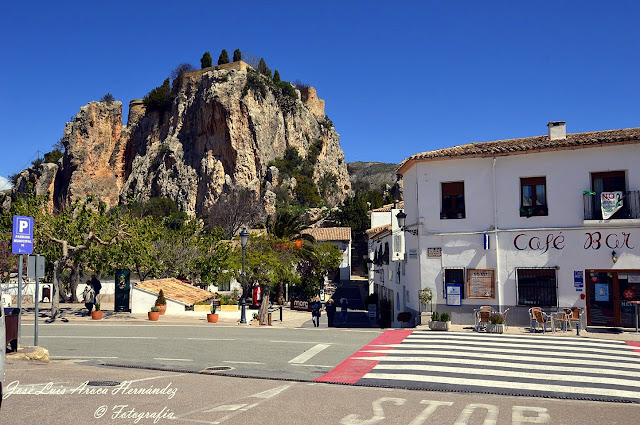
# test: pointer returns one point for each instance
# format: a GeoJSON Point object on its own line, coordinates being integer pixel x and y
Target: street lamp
{"type": "Point", "coordinates": [401, 216]}
{"type": "Point", "coordinates": [244, 238]}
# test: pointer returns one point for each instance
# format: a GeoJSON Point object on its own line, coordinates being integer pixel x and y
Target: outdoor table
{"type": "Point", "coordinates": [557, 316]}
{"type": "Point", "coordinates": [636, 305]}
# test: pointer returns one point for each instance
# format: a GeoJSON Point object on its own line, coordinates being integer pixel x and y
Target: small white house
{"type": "Point", "coordinates": [180, 296]}
{"type": "Point", "coordinates": [341, 238]}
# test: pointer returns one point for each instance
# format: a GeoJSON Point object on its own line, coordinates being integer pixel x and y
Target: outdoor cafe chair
{"type": "Point", "coordinates": [561, 318]}
{"type": "Point", "coordinates": [483, 319]}
{"type": "Point", "coordinates": [543, 318]}
{"type": "Point", "coordinates": [574, 315]}
{"type": "Point", "coordinates": [532, 318]}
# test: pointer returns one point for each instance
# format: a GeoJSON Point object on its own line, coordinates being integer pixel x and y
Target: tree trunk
{"type": "Point", "coordinates": [264, 305]}
{"type": "Point", "coordinates": [74, 282]}
{"type": "Point", "coordinates": [280, 293]}
{"type": "Point", "coordinates": [55, 299]}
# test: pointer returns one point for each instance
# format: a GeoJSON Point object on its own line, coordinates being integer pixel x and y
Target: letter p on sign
{"type": "Point", "coordinates": [23, 225]}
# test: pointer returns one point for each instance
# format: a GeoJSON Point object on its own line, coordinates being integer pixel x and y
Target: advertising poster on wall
{"type": "Point", "coordinates": [610, 203]}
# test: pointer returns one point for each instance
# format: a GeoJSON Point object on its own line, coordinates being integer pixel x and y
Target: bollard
{"type": "Point", "coordinates": [280, 314]}
{"type": "Point", "coordinates": [269, 318]}
{"type": "Point", "coordinates": [578, 328]}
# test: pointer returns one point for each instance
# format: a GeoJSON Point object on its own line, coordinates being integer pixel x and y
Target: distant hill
{"type": "Point", "coordinates": [376, 173]}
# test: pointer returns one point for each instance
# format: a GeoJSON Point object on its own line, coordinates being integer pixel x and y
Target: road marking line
{"type": "Point", "coordinates": [94, 337]}
{"type": "Point", "coordinates": [231, 361]}
{"type": "Point", "coordinates": [226, 407]}
{"type": "Point", "coordinates": [272, 392]}
{"type": "Point", "coordinates": [213, 339]}
{"type": "Point", "coordinates": [80, 357]}
{"type": "Point", "coordinates": [309, 353]}
{"type": "Point", "coordinates": [302, 342]}
{"type": "Point", "coordinates": [486, 383]}
{"type": "Point", "coordinates": [312, 365]}
{"type": "Point", "coordinates": [173, 360]}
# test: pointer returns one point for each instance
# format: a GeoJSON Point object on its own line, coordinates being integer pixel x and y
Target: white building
{"type": "Point", "coordinates": [524, 222]}
{"type": "Point", "coordinates": [340, 237]}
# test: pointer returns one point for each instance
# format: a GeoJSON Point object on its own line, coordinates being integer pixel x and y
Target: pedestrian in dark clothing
{"type": "Point", "coordinates": [331, 311]}
{"type": "Point", "coordinates": [316, 305]}
{"type": "Point", "coordinates": [343, 309]}
{"type": "Point", "coordinates": [89, 296]}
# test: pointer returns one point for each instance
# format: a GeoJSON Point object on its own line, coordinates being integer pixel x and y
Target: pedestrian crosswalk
{"type": "Point", "coordinates": [531, 365]}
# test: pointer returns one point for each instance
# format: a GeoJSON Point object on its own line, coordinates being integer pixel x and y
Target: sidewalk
{"type": "Point", "coordinates": [77, 313]}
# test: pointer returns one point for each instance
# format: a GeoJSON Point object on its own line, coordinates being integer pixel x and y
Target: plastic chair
{"type": "Point", "coordinates": [532, 318]}
{"type": "Point", "coordinates": [543, 319]}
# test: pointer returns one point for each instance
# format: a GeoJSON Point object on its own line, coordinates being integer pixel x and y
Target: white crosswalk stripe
{"type": "Point", "coordinates": [533, 365]}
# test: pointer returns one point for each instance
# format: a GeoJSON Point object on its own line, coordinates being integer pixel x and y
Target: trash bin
{"type": "Point", "coordinates": [11, 316]}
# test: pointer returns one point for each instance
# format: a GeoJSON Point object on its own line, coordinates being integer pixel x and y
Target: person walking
{"type": "Point", "coordinates": [343, 309]}
{"type": "Point", "coordinates": [331, 312]}
{"type": "Point", "coordinates": [89, 296]}
{"type": "Point", "coordinates": [316, 305]}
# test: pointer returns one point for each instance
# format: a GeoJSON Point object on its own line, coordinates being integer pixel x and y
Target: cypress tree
{"type": "Point", "coordinates": [237, 56]}
{"type": "Point", "coordinates": [263, 69]}
{"type": "Point", "coordinates": [276, 76]}
{"type": "Point", "coordinates": [206, 61]}
{"type": "Point", "coordinates": [224, 57]}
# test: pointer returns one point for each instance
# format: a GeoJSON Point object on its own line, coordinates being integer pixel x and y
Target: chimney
{"type": "Point", "coordinates": [557, 130]}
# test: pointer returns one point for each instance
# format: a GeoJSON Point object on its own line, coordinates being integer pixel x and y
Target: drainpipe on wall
{"type": "Point", "coordinates": [495, 232]}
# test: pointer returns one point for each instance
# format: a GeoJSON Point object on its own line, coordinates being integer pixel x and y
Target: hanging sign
{"type": "Point", "coordinates": [578, 280]}
{"type": "Point", "coordinates": [610, 203]}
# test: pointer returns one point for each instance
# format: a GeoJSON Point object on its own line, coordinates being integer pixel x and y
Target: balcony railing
{"type": "Point", "coordinates": [630, 207]}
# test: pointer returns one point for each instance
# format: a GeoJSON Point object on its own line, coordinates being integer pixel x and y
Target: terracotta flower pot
{"type": "Point", "coordinates": [212, 317]}
{"type": "Point", "coordinates": [161, 308]}
{"type": "Point", "coordinates": [96, 315]}
{"type": "Point", "coordinates": [153, 315]}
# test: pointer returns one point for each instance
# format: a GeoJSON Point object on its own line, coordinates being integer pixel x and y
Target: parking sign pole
{"type": "Point", "coordinates": [35, 323]}
{"type": "Point", "coordinates": [19, 297]}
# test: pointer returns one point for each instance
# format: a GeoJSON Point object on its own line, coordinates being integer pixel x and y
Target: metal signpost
{"type": "Point", "coordinates": [35, 270]}
{"type": "Point", "coordinates": [21, 243]}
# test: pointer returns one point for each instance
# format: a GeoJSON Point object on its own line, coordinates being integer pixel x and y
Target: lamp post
{"type": "Point", "coordinates": [244, 238]}
{"type": "Point", "coordinates": [401, 216]}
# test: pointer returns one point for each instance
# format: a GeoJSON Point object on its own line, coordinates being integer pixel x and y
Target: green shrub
{"type": "Point", "coordinates": [444, 317]}
{"type": "Point", "coordinates": [276, 76]}
{"type": "Point", "coordinates": [159, 99]}
{"type": "Point", "coordinates": [108, 98]}
{"type": "Point", "coordinates": [263, 68]}
{"type": "Point", "coordinates": [435, 316]}
{"type": "Point", "coordinates": [496, 319]}
{"type": "Point", "coordinates": [53, 156]}
{"type": "Point", "coordinates": [237, 55]}
{"type": "Point", "coordinates": [161, 300]}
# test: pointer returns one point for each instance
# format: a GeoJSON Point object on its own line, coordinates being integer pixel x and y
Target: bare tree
{"type": "Point", "coordinates": [234, 210]}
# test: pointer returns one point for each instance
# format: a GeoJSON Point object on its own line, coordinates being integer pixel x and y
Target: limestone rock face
{"type": "Point", "coordinates": [219, 135]}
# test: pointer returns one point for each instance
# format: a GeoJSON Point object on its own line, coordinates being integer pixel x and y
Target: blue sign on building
{"type": "Point", "coordinates": [22, 235]}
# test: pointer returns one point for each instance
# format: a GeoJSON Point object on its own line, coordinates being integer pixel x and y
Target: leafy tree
{"type": "Point", "coordinates": [206, 61]}
{"type": "Point", "coordinates": [223, 58]}
{"type": "Point", "coordinates": [237, 55]}
{"type": "Point", "coordinates": [53, 156]}
{"type": "Point", "coordinates": [306, 192]}
{"type": "Point", "coordinates": [182, 68]}
{"type": "Point", "coordinates": [327, 185]}
{"type": "Point", "coordinates": [160, 98]}
{"type": "Point", "coordinates": [276, 76]}
{"type": "Point", "coordinates": [263, 69]}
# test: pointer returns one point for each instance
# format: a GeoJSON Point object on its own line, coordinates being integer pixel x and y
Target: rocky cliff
{"type": "Point", "coordinates": [219, 133]}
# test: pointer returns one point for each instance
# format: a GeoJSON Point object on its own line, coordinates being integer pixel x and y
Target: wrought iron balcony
{"type": "Point", "coordinates": [630, 206]}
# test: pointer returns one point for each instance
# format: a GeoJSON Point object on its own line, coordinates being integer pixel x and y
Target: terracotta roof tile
{"type": "Point", "coordinates": [528, 144]}
{"type": "Point", "coordinates": [330, 233]}
{"type": "Point", "coordinates": [176, 290]}
{"type": "Point", "coordinates": [387, 208]}
{"type": "Point", "coordinates": [374, 232]}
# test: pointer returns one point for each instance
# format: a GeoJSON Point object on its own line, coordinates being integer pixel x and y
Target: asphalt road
{"type": "Point", "coordinates": [64, 392]}
{"type": "Point", "coordinates": [268, 352]}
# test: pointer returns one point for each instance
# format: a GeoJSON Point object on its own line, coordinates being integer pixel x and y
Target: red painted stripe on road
{"type": "Point", "coordinates": [634, 344]}
{"type": "Point", "coordinates": [351, 370]}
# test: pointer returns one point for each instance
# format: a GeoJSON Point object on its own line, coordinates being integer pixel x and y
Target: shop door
{"type": "Point", "coordinates": [609, 294]}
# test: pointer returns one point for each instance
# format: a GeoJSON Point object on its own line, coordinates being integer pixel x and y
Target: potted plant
{"type": "Point", "coordinates": [497, 324]}
{"type": "Point", "coordinates": [213, 316]}
{"type": "Point", "coordinates": [405, 318]}
{"type": "Point", "coordinates": [154, 314]}
{"type": "Point", "coordinates": [97, 313]}
{"type": "Point", "coordinates": [255, 320]}
{"type": "Point", "coordinates": [161, 302]}
{"type": "Point", "coordinates": [440, 322]}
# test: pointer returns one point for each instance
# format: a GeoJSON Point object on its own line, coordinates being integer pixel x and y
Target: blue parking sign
{"type": "Point", "coordinates": [22, 235]}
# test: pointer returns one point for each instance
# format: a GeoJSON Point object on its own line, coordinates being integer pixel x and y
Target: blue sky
{"type": "Point", "coordinates": [398, 78]}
